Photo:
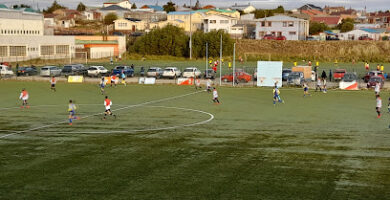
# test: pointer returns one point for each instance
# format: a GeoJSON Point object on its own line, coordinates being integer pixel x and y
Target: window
{"type": "Point", "coordinates": [62, 49]}
{"type": "Point", "coordinates": [224, 22]}
{"type": "Point", "coordinates": [284, 24]}
{"type": "Point", "coordinates": [261, 34]}
{"type": "Point", "coordinates": [3, 51]}
{"type": "Point", "coordinates": [262, 24]}
{"type": "Point", "coordinates": [269, 24]}
{"type": "Point", "coordinates": [47, 50]}
{"type": "Point", "coordinates": [290, 24]}
{"type": "Point", "coordinates": [17, 51]}
{"type": "Point", "coordinates": [292, 33]}
{"type": "Point", "coordinates": [213, 21]}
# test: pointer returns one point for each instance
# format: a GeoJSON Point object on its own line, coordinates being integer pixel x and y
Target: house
{"type": "Point", "coordinates": [184, 17]}
{"type": "Point", "coordinates": [281, 25]}
{"type": "Point", "coordinates": [243, 8]}
{"type": "Point", "coordinates": [230, 13]}
{"type": "Point", "coordinates": [330, 9]}
{"type": "Point", "coordinates": [147, 15]}
{"type": "Point", "coordinates": [129, 25]}
{"type": "Point", "coordinates": [310, 7]}
{"type": "Point", "coordinates": [153, 7]}
{"type": "Point", "coordinates": [92, 15]}
{"type": "Point", "coordinates": [118, 10]}
{"type": "Point", "coordinates": [375, 34]}
{"type": "Point", "coordinates": [370, 26]}
{"type": "Point", "coordinates": [218, 22]}
{"type": "Point", "coordinates": [121, 3]}
{"type": "Point", "coordinates": [331, 21]}
{"type": "Point", "coordinates": [382, 18]}
{"type": "Point", "coordinates": [238, 31]}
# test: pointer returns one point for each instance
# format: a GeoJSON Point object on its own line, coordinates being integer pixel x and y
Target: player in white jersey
{"type": "Point", "coordinates": [377, 88]}
{"type": "Point", "coordinates": [215, 96]}
{"type": "Point", "coordinates": [378, 105]}
{"type": "Point", "coordinates": [208, 85]}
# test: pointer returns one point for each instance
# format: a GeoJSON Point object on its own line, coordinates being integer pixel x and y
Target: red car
{"type": "Point", "coordinates": [269, 37]}
{"type": "Point", "coordinates": [281, 37]}
{"type": "Point", "coordinates": [365, 38]}
{"type": "Point", "coordinates": [371, 74]}
{"type": "Point", "coordinates": [339, 74]}
{"type": "Point", "coordinates": [375, 80]}
{"type": "Point", "coordinates": [240, 77]}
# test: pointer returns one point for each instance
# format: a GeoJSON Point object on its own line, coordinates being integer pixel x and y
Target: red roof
{"type": "Point", "coordinates": [312, 12]}
{"type": "Point", "coordinates": [327, 20]}
{"type": "Point", "coordinates": [209, 7]}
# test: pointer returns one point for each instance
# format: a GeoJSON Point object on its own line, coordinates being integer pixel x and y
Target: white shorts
{"type": "Point", "coordinates": [24, 98]}
{"type": "Point", "coordinates": [108, 107]}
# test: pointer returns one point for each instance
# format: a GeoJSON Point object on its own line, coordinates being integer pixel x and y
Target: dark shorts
{"type": "Point", "coordinates": [305, 89]}
{"type": "Point", "coordinates": [71, 113]}
{"type": "Point", "coordinates": [53, 85]}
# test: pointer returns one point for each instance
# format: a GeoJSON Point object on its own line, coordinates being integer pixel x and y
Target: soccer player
{"type": "Point", "coordinates": [24, 97]}
{"type": "Point", "coordinates": [102, 85]}
{"type": "Point", "coordinates": [208, 85]}
{"type": "Point", "coordinates": [324, 90]}
{"type": "Point", "coordinates": [276, 94]}
{"type": "Point", "coordinates": [305, 90]}
{"type": "Point", "coordinates": [123, 76]}
{"type": "Point", "coordinates": [53, 82]}
{"type": "Point", "coordinates": [113, 80]}
{"type": "Point", "coordinates": [215, 96]}
{"type": "Point", "coordinates": [318, 86]}
{"type": "Point", "coordinates": [377, 88]}
{"type": "Point", "coordinates": [388, 106]}
{"type": "Point", "coordinates": [72, 111]}
{"type": "Point", "coordinates": [108, 104]}
{"type": "Point", "coordinates": [378, 105]}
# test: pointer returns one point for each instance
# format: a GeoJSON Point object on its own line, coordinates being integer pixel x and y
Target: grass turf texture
{"type": "Point", "coordinates": [327, 146]}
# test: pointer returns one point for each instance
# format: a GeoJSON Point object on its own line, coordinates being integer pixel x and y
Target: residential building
{"type": "Point", "coordinates": [331, 21]}
{"type": "Point", "coordinates": [310, 7]}
{"type": "Point", "coordinates": [101, 47]}
{"type": "Point", "coordinates": [382, 18]}
{"type": "Point", "coordinates": [281, 25]}
{"type": "Point", "coordinates": [329, 9]}
{"type": "Point", "coordinates": [129, 25]}
{"type": "Point", "coordinates": [92, 15]}
{"type": "Point", "coordinates": [154, 8]}
{"type": "Point", "coordinates": [184, 17]}
{"type": "Point", "coordinates": [147, 15]}
{"type": "Point", "coordinates": [238, 31]}
{"type": "Point", "coordinates": [375, 34]}
{"type": "Point", "coordinates": [121, 3]}
{"type": "Point", "coordinates": [369, 26]}
{"type": "Point", "coordinates": [118, 10]}
{"type": "Point", "coordinates": [218, 22]}
{"type": "Point", "coordinates": [20, 22]}
{"type": "Point", "coordinates": [243, 8]}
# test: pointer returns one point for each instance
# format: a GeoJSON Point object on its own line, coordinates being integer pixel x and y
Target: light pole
{"type": "Point", "coordinates": [234, 64]}
{"type": "Point", "coordinates": [220, 62]}
{"type": "Point", "coordinates": [207, 59]}
{"type": "Point", "coordinates": [190, 30]}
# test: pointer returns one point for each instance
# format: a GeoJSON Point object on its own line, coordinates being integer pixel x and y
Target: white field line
{"type": "Point", "coordinates": [126, 107]}
{"type": "Point", "coordinates": [155, 129]}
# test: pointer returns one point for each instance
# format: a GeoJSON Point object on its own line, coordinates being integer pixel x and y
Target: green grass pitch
{"type": "Point", "coordinates": [326, 146]}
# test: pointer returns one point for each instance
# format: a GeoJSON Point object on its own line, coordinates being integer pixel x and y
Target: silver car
{"type": "Point", "coordinates": [154, 72]}
{"type": "Point", "coordinates": [51, 71]}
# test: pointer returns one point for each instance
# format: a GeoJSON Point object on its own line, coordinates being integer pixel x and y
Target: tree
{"type": "Point", "coordinates": [110, 18]}
{"type": "Point", "coordinates": [263, 13]}
{"type": "Point", "coordinates": [279, 9]}
{"type": "Point", "coordinates": [346, 25]}
{"type": "Point", "coordinates": [81, 7]}
{"type": "Point", "coordinates": [169, 7]}
{"type": "Point", "coordinates": [316, 27]}
{"type": "Point", "coordinates": [55, 6]}
{"type": "Point", "coordinates": [133, 6]}
{"type": "Point", "coordinates": [20, 6]}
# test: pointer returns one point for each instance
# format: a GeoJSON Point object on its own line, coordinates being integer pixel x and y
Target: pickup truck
{"type": "Point", "coordinates": [128, 71]}
{"type": "Point", "coordinates": [5, 71]}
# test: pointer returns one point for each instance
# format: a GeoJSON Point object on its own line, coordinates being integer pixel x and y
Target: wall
{"type": "Point", "coordinates": [16, 22]}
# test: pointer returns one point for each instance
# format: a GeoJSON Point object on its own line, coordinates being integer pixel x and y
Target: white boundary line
{"type": "Point", "coordinates": [151, 129]}
{"type": "Point", "coordinates": [126, 107]}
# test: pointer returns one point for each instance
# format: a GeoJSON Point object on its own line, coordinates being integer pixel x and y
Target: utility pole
{"type": "Point", "coordinates": [207, 59]}
{"type": "Point", "coordinates": [190, 30]}
{"type": "Point", "coordinates": [220, 63]}
{"type": "Point", "coordinates": [234, 64]}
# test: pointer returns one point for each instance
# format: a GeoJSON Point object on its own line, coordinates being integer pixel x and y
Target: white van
{"type": "Point", "coordinates": [6, 71]}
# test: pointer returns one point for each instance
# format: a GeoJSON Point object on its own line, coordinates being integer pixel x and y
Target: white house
{"type": "Point", "coordinates": [122, 3]}
{"type": "Point", "coordinates": [218, 22]}
{"type": "Point", "coordinates": [374, 34]}
{"type": "Point", "coordinates": [281, 25]}
{"type": "Point", "coordinates": [129, 24]}
{"type": "Point", "coordinates": [244, 8]}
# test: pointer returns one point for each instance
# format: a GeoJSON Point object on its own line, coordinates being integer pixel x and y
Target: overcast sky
{"type": "Point", "coordinates": [372, 5]}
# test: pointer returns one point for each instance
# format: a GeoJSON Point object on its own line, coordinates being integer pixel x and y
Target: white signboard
{"type": "Point", "coordinates": [147, 81]}
{"type": "Point", "coordinates": [269, 73]}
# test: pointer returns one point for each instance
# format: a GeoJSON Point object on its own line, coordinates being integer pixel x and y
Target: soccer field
{"type": "Point", "coordinates": [172, 142]}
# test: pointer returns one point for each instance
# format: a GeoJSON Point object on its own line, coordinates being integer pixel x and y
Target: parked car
{"type": "Point", "coordinates": [171, 72]}
{"type": "Point", "coordinates": [240, 77]}
{"type": "Point", "coordinates": [191, 72]}
{"type": "Point", "coordinates": [285, 74]}
{"type": "Point", "coordinates": [281, 37]}
{"type": "Point", "coordinates": [295, 78]}
{"type": "Point", "coordinates": [349, 77]}
{"type": "Point", "coordinates": [154, 72]}
{"type": "Point", "coordinates": [367, 77]}
{"type": "Point", "coordinates": [339, 74]}
{"type": "Point", "coordinates": [374, 80]}
{"type": "Point", "coordinates": [128, 71]}
{"type": "Point", "coordinates": [365, 37]}
{"type": "Point", "coordinates": [209, 74]}
{"type": "Point", "coordinates": [51, 71]}
{"type": "Point", "coordinates": [5, 71]}
{"type": "Point", "coordinates": [269, 37]}
{"type": "Point", "coordinates": [311, 38]}
{"type": "Point", "coordinates": [74, 69]}
{"type": "Point", "coordinates": [27, 71]}
{"type": "Point", "coordinates": [97, 71]}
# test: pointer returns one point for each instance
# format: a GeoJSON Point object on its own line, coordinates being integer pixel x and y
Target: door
{"type": "Point", "coordinates": [133, 28]}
